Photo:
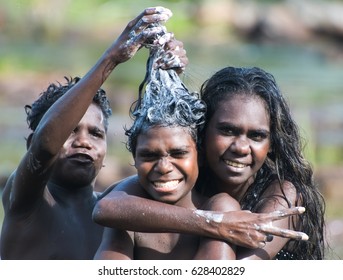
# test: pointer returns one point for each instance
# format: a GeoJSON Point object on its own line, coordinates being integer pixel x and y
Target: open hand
{"type": "Point", "coordinates": [253, 230]}
{"type": "Point", "coordinates": [174, 56]}
{"type": "Point", "coordinates": [140, 30]}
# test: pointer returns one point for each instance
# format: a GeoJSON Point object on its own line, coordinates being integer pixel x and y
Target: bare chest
{"type": "Point", "coordinates": [170, 246]}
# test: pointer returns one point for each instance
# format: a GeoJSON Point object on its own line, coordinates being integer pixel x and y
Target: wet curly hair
{"type": "Point", "coordinates": [36, 111]}
{"type": "Point", "coordinates": [165, 102]}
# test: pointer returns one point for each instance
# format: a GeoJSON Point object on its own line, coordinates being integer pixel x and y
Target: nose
{"type": "Point", "coordinates": [164, 165]}
{"type": "Point", "coordinates": [241, 146]}
{"type": "Point", "coordinates": [81, 140]}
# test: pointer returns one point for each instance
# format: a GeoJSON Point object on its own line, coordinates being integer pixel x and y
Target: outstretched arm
{"type": "Point", "coordinates": [122, 209]}
{"type": "Point", "coordinates": [27, 184]}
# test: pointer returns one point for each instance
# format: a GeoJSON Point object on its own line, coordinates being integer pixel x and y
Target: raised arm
{"type": "Point", "coordinates": [26, 185]}
{"type": "Point", "coordinates": [124, 209]}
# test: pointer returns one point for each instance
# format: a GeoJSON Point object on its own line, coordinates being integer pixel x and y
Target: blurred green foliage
{"type": "Point", "coordinates": [66, 37]}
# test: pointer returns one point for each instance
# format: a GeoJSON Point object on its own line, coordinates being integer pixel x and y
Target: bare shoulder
{"type": "Point", "coordinates": [222, 202]}
{"type": "Point", "coordinates": [126, 186]}
{"type": "Point", "coordinates": [131, 186]}
{"type": "Point", "coordinates": [279, 196]}
{"type": "Point", "coordinates": [285, 189]}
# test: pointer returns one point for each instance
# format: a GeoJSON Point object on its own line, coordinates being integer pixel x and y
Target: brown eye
{"type": "Point", "coordinates": [226, 130]}
{"type": "Point", "coordinates": [97, 133]}
{"type": "Point", "coordinates": [258, 136]}
{"type": "Point", "coordinates": [147, 156]}
{"type": "Point", "coordinates": [179, 154]}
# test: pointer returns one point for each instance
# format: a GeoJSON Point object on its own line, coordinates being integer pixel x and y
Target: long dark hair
{"type": "Point", "coordinates": [285, 162]}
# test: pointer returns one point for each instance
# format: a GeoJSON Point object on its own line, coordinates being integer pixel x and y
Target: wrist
{"type": "Point", "coordinates": [210, 223]}
{"type": "Point", "coordinates": [109, 61]}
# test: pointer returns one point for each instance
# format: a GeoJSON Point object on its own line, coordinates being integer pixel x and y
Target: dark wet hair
{"type": "Point", "coordinates": [36, 111]}
{"type": "Point", "coordinates": [284, 162]}
{"type": "Point", "coordinates": [165, 102]}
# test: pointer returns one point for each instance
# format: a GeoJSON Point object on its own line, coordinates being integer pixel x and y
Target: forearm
{"type": "Point", "coordinates": [70, 108]}
{"type": "Point", "coordinates": [128, 209]}
{"type": "Point", "coordinates": [215, 249]}
{"type": "Point", "coordinates": [129, 212]}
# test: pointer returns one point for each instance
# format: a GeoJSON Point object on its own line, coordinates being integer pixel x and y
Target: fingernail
{"type": "Point", "coordinates": [304, 237]}
{"type": "Point", "coordinates": [160, 9]}
{"type": "Point", "coordinates": [164, 17]}
{"type": "Point", "coordinates": [301, 209]}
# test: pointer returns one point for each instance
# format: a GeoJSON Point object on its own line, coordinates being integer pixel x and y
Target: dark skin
{"type": "Point", "coordinates": [48, 200]}
{"type": "Point", "coordinates": [166, 163]}
{"type": "Point", "coordinates": [121, 209]}
{"type": "Point", "coordinates": [237, 142]}
{"type": "Point", "coordinates": [242, 228]}
{"type": "Point", "coordinates": [54, 222]}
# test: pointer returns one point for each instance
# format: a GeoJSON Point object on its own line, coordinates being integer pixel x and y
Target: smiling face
{"type": "Point", "coordinates": [166, 162]}
{"type": "Point", "coordinates": [81, 157]}
{"type": "Point", "coordinates": [237, 142]}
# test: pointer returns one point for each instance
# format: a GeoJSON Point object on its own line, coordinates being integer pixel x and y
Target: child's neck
{"type": "Point", "coordinates": [193, 200]}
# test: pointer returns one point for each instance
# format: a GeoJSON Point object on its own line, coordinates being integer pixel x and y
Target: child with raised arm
{"type": "Point", "coordinates": [48, 200]}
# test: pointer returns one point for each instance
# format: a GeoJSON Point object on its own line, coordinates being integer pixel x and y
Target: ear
{"type": "Point", "coordinates": [28, 141]}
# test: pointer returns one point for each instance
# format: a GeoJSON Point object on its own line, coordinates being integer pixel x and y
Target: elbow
{"type": "Point", "coordinates": [111, 210]}
{"type": "Point", "coordinates": [105, 213]}
{"type": "Point", "coordinates": [97, 214]}
{"type": "Point", "coordinates": [44, 142]}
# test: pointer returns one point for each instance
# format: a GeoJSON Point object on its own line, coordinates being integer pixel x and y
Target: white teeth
{"type": "Point", "coordinates": [169, 184]}
{"type": "Point", "coordinates": [235, 164]}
